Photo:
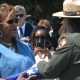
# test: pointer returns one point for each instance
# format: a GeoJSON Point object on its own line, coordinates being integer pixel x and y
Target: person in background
{"type": "Point", "coordinates": [41, 44]}
{"type": "Point", "coordinates": [65, 63]}
{"type": "Point", "coordinates": [32, 20]}
{"type": "Point", "coordinates": [15, 55]}
{"type": "Point", "coordinates": [24, 29]}
{"type": "Point", "coordinates": [45, 23]}
{"type": "Point", "coordinates": [56, 31]}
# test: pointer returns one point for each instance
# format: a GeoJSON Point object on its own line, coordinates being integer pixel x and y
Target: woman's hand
{"type": "Point", "coordinates": [42, 54]}
{"type": "Point", "coordinates": [33, 77]}
{"type": "Point", "coordinates": [21, 77]}
{"type": "Point", "coordinates": [47, 53]}
{"type": "Point", "coordinates": [38, 50]}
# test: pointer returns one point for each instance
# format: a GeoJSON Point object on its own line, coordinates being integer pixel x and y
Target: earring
{"type": "Point", "coordinates": [0, 34]}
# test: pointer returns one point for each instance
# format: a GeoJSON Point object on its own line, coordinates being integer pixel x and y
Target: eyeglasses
{"type": "Point", "coordinates": [19, 15]}
{"type": "Point", "coordinates": [12, 21]}
{"type": "Point", "coordinates": [43, 27]}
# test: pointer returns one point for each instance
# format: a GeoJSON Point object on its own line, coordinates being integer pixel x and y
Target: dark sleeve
{"type": "Point", "coordinates": [58, 63]}
{"type": "Point", "coordinates": [28, 30]}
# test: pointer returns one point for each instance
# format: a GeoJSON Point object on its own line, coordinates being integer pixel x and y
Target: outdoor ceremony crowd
{"type": "Point", "coordinates": [26, 43]}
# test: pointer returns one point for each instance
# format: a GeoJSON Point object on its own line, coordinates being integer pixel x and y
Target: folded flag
{"type": "Point", "coordinates": [32, 71]}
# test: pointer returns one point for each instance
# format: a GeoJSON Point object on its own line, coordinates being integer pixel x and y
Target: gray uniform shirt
{"type": "Point", "coordinates": [65, 63]}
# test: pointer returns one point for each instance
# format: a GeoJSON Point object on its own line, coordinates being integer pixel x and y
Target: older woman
{"type": "Point", "coordinates": [15, 56]}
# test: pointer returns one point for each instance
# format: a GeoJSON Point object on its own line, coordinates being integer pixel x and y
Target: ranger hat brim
{"type": "Point", "coordinates": [71, 9]}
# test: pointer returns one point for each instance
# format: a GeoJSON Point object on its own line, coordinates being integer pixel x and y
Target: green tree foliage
{"type": "Point", "coordinates": [39, 8]}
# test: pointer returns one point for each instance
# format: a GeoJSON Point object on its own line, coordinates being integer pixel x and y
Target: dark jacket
{"type": "Point", "coordinates": [65, 63]}
{"type": "Point", "coordinates": [28, 30]}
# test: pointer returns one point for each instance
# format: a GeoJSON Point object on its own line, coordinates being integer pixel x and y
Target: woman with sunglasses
{"type": "Point", "coordinates": [41, 43]}
{"type": "Point", "coordinates": [44, 23]}
{"type": "Point", "coordinates": [15, 56]}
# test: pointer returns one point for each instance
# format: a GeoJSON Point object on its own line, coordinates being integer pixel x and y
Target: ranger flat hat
{"type": "Point", "coordinates": [71, 9]}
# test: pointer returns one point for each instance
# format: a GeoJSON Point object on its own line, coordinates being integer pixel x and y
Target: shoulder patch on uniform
{"type": "Point", "coordinates": [62, 42]}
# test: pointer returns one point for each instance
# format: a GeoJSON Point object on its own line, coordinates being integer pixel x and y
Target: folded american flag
{"type": "Point", "coordinates": [32, 71]}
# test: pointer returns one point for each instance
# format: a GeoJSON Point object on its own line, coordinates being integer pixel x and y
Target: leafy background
{"type": "Point", "coordinates": [38, 8]}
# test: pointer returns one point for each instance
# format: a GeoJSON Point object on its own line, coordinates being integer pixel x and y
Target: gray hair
{"type": "Point", "coordinates": [20, 8]}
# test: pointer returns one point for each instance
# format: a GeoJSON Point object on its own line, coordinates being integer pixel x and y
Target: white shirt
{"type": "Point", "coordinates": [23, 29]}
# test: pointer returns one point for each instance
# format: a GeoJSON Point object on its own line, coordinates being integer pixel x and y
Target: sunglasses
{"type": "Point", "coordinates": [19, 15]}
{"type": "Point", "coordinates": [43, 27]}
{"type": "Point", "coordinates": [12, 21]}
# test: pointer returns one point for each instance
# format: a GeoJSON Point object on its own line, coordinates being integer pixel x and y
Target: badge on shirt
{"type": "Point", "coordinates": [62, 42]}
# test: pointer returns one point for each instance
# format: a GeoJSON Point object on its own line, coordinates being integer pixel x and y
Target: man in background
{"type": "Point", "coordinates": [24, 29]}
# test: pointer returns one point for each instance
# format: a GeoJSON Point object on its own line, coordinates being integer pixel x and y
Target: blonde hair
{"type": "Point", "coordinates": [6, 6]}
{"type": "Point", "coordinates": [9, 9]}
{"type": "Point", "coordinates": [11, 13]}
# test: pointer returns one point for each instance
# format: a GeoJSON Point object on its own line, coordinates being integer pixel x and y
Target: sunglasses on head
{"type": "Point", "coordinates": [12, 21]}
{"type": "Point", "coordinates": [20, 15]}
{"type": "Point", "coordinates": [43, 27]}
